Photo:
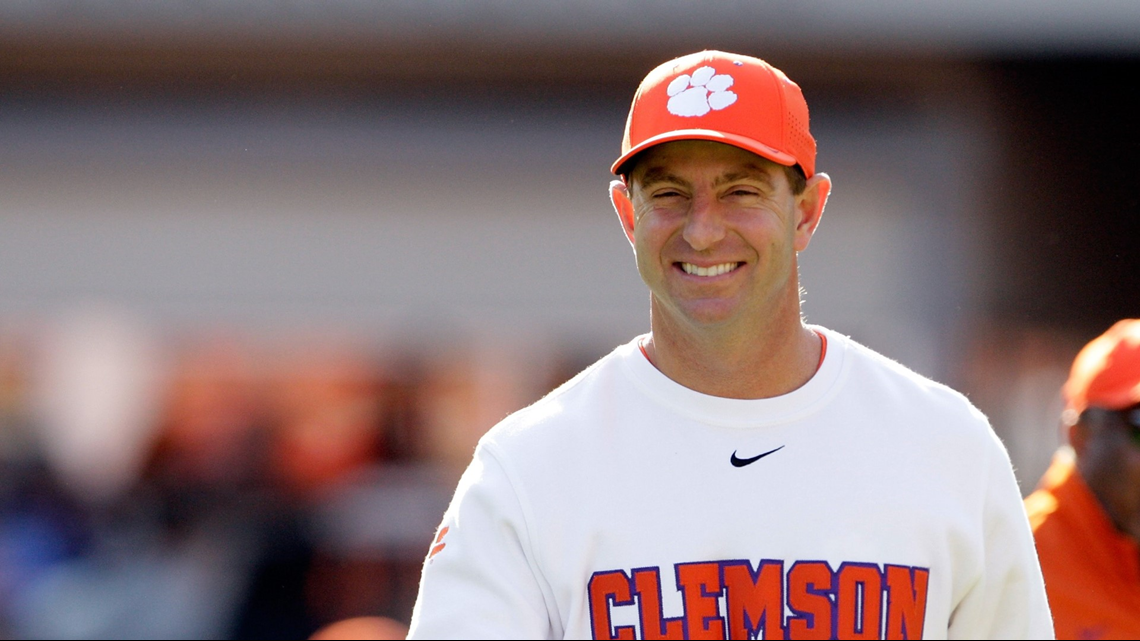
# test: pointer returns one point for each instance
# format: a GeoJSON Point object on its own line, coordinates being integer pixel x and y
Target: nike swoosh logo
{"type": "Point", "coordinates": [741, 462]}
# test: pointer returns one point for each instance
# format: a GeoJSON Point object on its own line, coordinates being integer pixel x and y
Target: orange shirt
{"type": "Point", "coordinates": [1092, 570]}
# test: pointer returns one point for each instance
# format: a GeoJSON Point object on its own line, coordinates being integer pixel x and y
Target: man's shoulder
{"type": "Point", "coordinates": [564, 407]}
{"type": "Point", "coordinates": [906, 387]}
{"type": "Point", "coordinates": [1040, 507]}
{"type": "Point", "coordinates": [918, 414]}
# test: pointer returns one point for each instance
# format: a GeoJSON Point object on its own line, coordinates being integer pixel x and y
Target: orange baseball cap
{"type": "Point", "coordinates": [1106, 373]}
{"type": "Point", "coordinates": [723, 97]}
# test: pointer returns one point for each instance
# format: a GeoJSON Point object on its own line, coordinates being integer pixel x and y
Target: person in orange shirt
{"type": "Point", "coordinates": [1085, 513]}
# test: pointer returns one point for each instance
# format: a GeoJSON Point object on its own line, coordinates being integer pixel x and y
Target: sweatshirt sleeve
{"type": "Point", "coordinates": [479, 579]}
{"type": "Point", "coordinates": [1008, 599]}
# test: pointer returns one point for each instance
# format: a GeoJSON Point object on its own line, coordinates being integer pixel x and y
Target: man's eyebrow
{"type": "Point", "coordinates": [750, 170]}
{"type": "Point", "coordinates": [655, 175]}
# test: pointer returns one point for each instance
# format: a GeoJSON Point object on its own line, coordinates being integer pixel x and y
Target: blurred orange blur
{"type": "Point", "coordinates": [362, 628]}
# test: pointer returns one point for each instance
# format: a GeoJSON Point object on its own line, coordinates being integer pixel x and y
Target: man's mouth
{"type": "Point", "coordinates": [713, 270]}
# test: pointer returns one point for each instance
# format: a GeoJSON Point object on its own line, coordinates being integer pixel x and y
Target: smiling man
{"type": "Point", "coordinates": [734, 473]}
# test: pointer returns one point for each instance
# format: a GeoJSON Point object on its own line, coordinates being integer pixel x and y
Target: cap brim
{"type": "Point", "coordinates": [742, 142]}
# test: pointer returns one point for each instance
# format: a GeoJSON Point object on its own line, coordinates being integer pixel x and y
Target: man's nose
{"type": "Point", "coordinates": [704, 226]}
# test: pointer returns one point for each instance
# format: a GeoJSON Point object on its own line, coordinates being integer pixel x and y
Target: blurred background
{"type": "Point", "coordinates": [269, 269]}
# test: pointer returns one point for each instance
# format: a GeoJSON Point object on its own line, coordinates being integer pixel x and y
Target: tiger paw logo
{"type": "Point", "coordinates": [700, 93]}
{"type": "Point", "coordinates": [438, 545]}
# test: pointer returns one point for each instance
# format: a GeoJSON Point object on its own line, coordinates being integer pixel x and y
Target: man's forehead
{"type": "Point", "coordinates": [669, 161]}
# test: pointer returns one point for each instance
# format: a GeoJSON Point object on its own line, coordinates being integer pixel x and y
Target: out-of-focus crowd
{"type": "Point", "coordinates": [213, 484]}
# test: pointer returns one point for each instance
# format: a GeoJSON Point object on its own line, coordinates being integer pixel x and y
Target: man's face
{"type": "Point", "coordinates": [1108, 456]}
{"type": "Point", "coordinates": [715, 232]}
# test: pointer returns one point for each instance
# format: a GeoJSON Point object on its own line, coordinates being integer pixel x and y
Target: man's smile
{"type": "Point", "coordinates": [706, 272]}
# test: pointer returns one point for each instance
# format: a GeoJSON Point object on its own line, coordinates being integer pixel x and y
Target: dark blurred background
{"type": "Point", "coordinates": [269, 269]}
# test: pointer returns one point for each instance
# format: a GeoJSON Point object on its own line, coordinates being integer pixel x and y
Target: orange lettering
{"type": "Point", "coordinates": [847, 603]}
{"type": "Point", "coordinates": [906, 601]}
{"type": "Point", "coordinates": [654, 625]}
{"type": "Point", "coordinates": [606, 588]}
{"type": "Point", "coordinates": [755, 600]}
{"type": "Point", "coordinates": [700, 588]}
{"type": "Point", "coordinates": [809, 588]}
{"type": "Point", "coordinates": [859, 602]}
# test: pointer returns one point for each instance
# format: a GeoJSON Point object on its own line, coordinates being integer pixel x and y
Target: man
{"type": "Point", "coordinates": [734, 473]}
{"type": "Point", "coordinates": [1086, 511]}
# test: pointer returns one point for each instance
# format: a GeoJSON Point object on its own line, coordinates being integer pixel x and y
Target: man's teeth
{"type": "Point", "coordinates": [715, 270]}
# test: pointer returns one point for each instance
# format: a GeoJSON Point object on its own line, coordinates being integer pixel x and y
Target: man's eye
{"type": "Point", "coordinates": [667, 194]}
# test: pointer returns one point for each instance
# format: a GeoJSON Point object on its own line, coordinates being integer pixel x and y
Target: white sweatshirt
{"type": "Point", "coordinates": [624, 505]}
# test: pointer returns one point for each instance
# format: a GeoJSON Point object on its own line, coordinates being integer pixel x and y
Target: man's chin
{"type": "Point", "coordinates": [708, 314]}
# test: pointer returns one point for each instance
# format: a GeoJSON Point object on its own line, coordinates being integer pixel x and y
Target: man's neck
{"type": "Point", "coordinates": [768, 360]}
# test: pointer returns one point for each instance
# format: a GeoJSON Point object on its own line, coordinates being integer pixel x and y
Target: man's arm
{"type": "Point", "coordinates": [1008, 600]}
{"type": "Point", "coordinates": [479, 580]}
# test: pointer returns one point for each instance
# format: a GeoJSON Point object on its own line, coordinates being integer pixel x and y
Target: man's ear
{"type": "Point", "coordinates": [1079, 437]}
{"type": "Point", "coordinates": [623, 207]}
{"type": "Point", "coordinates": [809, 208]}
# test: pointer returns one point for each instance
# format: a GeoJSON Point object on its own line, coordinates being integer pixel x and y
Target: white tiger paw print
{"type": "Point", "coordinates": [696, 95]}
